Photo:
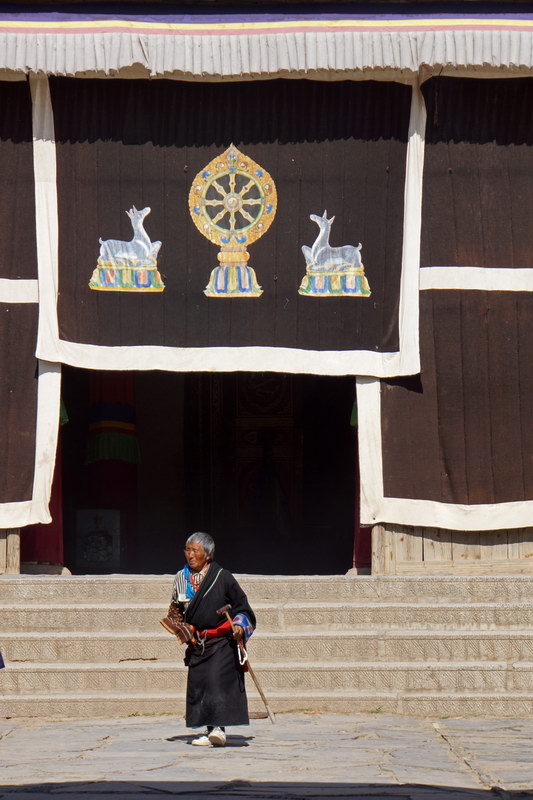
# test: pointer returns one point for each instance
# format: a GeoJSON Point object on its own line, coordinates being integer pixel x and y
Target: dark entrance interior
{"type": "Point", "coordinates": [266, 462]}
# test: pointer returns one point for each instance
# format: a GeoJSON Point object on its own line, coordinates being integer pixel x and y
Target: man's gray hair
{"type": "Point", "coordinates": [205, 540]}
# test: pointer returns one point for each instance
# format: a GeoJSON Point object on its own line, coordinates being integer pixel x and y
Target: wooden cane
{"type": "Point", "coordinates": [225, 610]}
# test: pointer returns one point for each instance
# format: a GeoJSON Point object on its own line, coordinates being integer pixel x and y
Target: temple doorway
{"type": "Point", "coordinates": [266, 462]}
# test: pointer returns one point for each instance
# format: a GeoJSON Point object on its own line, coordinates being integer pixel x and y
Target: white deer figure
{"type": "Point", "coordinates": [137, 252]}
{"type": "Point", "coordinates": [321, 257]}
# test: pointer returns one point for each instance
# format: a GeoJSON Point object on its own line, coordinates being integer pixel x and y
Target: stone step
{"type": "Point", "coordinates": [383, 646]}
{"type": "Point", "coordinates": [438, 704]}
{"type": "Point", "coordinates": [331, 677]}
{"type": "Point", "coordinates": [140, 589]}
{"type": "Point", "coordinates": [291, 616]}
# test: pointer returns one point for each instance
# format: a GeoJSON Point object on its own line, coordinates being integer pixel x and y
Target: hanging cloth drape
{"type": "Point", "coordinates": [338, 148]}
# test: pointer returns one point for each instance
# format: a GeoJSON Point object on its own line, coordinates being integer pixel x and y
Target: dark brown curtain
{"type": "Point", "coordinates": [18, 400]}
{"type": "Point", "coordinates": [18, 255]}
{"type": "Point", "coordinates": [477, 208]}
{"type": "Point", "coordinates": [336, 146]}
{"type": "Point", "coordinates": [462, 431]}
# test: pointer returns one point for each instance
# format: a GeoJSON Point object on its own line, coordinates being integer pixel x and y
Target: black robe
{"type": "Point", "coordinates": [215, 684]}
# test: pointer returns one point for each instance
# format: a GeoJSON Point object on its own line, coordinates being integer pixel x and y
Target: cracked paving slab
{"type": "Point", "coordinates": [302, 756]}
{"type": "Point", "coordinates": [501, 753]}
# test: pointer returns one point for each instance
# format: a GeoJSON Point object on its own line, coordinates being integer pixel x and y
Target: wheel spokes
{"type": "Point", "coordinates": [220, 189]}
{"type": "Point", "coordinates": [247, 187]}
{"type": "Point", "coordinates": [219, 216]}
{"type": "Point", "coordinates": [249, 208]}
{"type": "Point", "coordinates": [247, 216]}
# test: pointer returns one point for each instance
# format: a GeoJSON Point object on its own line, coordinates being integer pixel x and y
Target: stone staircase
{"type": "Point", "coordinates": [92, 646]}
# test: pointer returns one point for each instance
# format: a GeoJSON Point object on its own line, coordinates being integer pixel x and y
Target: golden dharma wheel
{"type": "Point", "coordinates": [233, 202]}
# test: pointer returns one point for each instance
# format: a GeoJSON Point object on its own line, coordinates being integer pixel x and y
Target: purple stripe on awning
{"type": "Point", "coordinates": [160, 14]}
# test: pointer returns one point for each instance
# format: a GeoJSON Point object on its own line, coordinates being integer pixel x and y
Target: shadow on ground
{"type": "Point", "coordinates": [233, 741]}
{"type": "Point", "coordinates": [250, 790]}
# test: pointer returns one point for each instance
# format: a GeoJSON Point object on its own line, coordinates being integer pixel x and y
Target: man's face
{"type": "Point", "coordinates": [196, 557]}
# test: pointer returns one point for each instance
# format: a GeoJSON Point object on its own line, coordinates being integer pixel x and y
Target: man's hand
{"type": "Point", "coordinates": [238, 632]}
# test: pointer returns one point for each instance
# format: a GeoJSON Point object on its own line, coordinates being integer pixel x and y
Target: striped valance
{"type": "Point", "coordinates": [244, 43]}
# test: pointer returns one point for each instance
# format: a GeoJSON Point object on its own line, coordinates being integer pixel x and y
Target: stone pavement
{"type": "Point", "coordinates": [313, 755]}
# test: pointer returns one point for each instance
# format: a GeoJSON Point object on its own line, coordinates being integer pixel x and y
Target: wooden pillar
{"type": "Point", "coordinates": [10, 546]}
{"type": "Point", "coordinates": [383, 551]}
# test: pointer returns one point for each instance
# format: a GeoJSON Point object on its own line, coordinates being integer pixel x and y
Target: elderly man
{"type": "Point", "coordinates": [216, 696]}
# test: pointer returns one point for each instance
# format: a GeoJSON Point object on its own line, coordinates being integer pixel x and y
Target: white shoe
{"type": "Point", "coordinates": [201, 741]}
{"type": "Point", "coordinates": [217, 737]}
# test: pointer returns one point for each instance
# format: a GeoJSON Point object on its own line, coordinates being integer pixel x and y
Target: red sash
{"type": "Point", "coordinates": [212, 633]}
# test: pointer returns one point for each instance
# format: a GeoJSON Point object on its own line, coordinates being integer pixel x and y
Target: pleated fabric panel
{"type": "Point", "coordinates": [18, 400]}
{"type": "Point", "coordinates": [462, 431]}
{"type": "Point", "coordinates": [18, 253]}
{"type": "Point", "coordinates": [477, 209]}
{"type": "Point", "coordinates": [339, 147]}
{"type": "Point", "coordinates": [248, 54]}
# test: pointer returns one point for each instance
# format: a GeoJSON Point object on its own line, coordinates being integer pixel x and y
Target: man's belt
{"type": "Point", "coordinates": [212, 633]}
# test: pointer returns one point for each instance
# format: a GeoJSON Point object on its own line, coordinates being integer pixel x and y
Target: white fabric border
{"type": "Point", "coordinates": [477, 278]}
{"type": "Point", "coordinates": [223, 359]}
{"type": "Point", "coordinates": [264, 54]}
{"type": "Point", "coordinates": [376, 508]}
{"type": "Point", "coordinates": [30, 512]}
{"type": "Point", "coordinates": [46, 218]}
{"type": "Point", "coordinates": [19, 291]}
{"type": "Point", "coordinates": [409, 361]}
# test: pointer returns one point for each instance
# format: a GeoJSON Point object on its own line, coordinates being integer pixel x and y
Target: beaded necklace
{"type": "Point", "coordinates": [197, 577]}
